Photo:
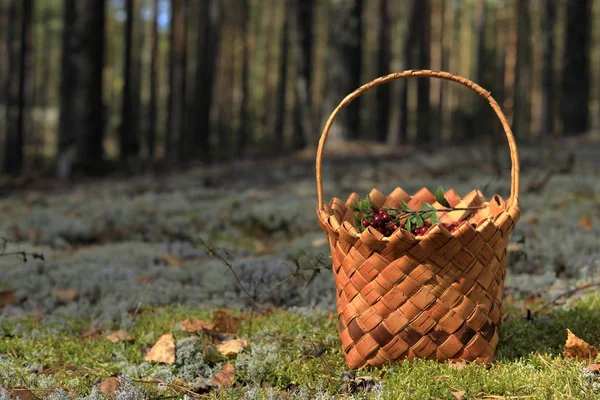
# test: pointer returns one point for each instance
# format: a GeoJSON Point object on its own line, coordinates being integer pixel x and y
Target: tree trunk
{"type": "Point", "coordinates": [384, 60]}
{"type": "Point", "coordinates": [480, 67]}
{"type": "Point", "coordinates": [522, 94]}
{"type": "Point", "coordinates": [129, 144]}
{"type": "Point", "coordinates": [208, 46]}
{"type": "Point", "coordinates": [89, 107]}
{"type": "Point", "coordinates": [18, 50]}
{"type": "Point", "coordinates": [344, 59]}
{"type": "Point", "coordinates": [576, 73]}
{"type": "Point", "coordinates": [408, 47]}
{"type": "Point", "coordinates": [547, 106]}
{"type": "Point", "coordinates": [423, 85]}
{"type": "Point", "coordinates": [154, 88]}
{"type": "Point", "coordinates": [282, 81]}
{"type": "Point", "coordinates": [303, 115]}
{"type": "Point", "coordinates": [244, 129]}
{"type": "Point", "coordinates": [176, 106]}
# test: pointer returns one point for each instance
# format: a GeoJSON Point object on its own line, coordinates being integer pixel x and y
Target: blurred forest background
{"type": "Point", "coordinates": [88, 85]}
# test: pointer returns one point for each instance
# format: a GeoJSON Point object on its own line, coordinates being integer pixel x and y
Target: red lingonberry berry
{"type": "Point", "coordinates": [393, 227]}
{"type": "Point", "coordinates": [376, 220]}
{"type": "Point", "coordinates": [375, 210]}
{"type": "Point", "coordinates": [366, 223]}
{"type": "Point", "coordinates": [386, 218]}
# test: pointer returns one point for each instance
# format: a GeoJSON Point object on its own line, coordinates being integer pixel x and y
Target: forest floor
{"type": "Point", "coordinates": [143, 254]}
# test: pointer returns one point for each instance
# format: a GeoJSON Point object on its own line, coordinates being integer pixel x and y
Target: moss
{"type": "Point", "coordinates": [294, 353]}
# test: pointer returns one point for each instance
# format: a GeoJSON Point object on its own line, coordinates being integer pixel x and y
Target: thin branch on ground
{"type": "Point", "coordinates": [567, 294]}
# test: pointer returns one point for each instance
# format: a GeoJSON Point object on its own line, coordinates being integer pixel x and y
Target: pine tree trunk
{"type": "Point", "coordinates": [154, 88]}
{"type": "Point", "coordinates": [177, 74]}
{"type": "Point", "coordinates": [244, 129]}
{"type": "Point", "coordinates": [208, 46]}
{"type": "Point", "coordinates": [129, 144]}
{"type": "Point", "coordinates": [18, 54]}
{"type": "Point", "coordinates": [547, 106]}
{"type": "Point", "coordinates": [576, 72]}
{"type": "Point", "coordinates": [423, 85]}
{"type": "Point", "coordinates": [522, 94]}
{"type": "Point", "coordinates": [344, 59]}
{"type": "Point", "coordinates": [282, 82]}
{"type": "Point", "coordinates": [88, 102]}
{"type": "Point", "coordinates": [480, 66]}
{"type": "Point", "coordinates": [408, 48]}
{"type": "Point", "coordinates": [384, 59]}
{"type": "Point", "coordinates": [303, 115]}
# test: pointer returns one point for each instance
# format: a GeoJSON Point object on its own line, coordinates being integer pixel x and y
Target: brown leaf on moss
{"type": "Point", "coordinates": [91, 333]}
{"type": "Point", "coordinates": [7, 297]}
{"type": "Point", "coordinates": [594, 368]}
{"type": "Point", "coordinates": [224, 378]}
{"type": "Point", "coordinates": [225, 323]}
{"type": "Point", "coordinates": [577, 348]}
{"type": "Point", "coordinates": [119, 336]}
{"type": "Point", "coordinates": [171, 260]}
{"type": "Point", "coordinates": [109, 386]}
{"type": "Point", "coordinates": [163, 351]}
{"type": "Point", "coordinates": [458, 365]}
{"type": "Point", "coordinates": [586, 222]}
{"type": "Point", "coordinates": [66, 295]}
{"type": "Point", "coordinates": [459, 395]}
{"type": "Point", "coordinates": [230, 348]}
{"type": "Point", "coordinates": [24, 394]}
{"type": "Point", "coordinates": [195, 325]}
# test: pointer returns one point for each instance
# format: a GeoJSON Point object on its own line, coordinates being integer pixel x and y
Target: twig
{"type": "Point", "coordinates": [568, 293]}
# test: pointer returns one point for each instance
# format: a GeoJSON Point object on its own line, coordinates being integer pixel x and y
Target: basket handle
{"type": "Point", "coordinates": [514, 156]}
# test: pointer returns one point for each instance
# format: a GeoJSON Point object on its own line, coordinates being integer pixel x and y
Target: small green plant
{"type": "Point", "coordinates": [388, 219]}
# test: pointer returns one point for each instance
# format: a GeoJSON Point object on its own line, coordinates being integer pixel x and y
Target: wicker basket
{"type": "Point", "coordinates": [436, 296]}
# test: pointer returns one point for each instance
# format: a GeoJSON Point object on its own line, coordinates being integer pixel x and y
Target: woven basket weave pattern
{"type": "Point", "coordinates": [437, 296]}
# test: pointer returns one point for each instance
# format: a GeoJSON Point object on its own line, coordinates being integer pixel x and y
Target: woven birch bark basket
{"type": "Point", "coordinates": [436, 296]}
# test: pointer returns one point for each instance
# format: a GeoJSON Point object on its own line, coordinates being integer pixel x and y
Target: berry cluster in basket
{"type": "Point", "coordinates": [387, 219]}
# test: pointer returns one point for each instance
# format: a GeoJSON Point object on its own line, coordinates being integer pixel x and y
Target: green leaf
{"type": "Point", "coordinates": [427, 215]}
{"type": "Point", "coordinates": [427, 207]}
{"type": "Point", "coordinates": [419, 220]}
{"type": "Point", "coordinates": [439, 196]}
{"type": "Point", "coordinates": [434, 219]}
{"type": "Point", "coordinates": [369, 202]}
{"type": "Point", "coordinates": [404, 206]}
{"type": "Point", "coordinates": [408, 224]}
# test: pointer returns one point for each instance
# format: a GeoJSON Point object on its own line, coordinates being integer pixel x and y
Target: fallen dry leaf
{"type": "Point", "coordinates": [225, 323]}
{"type": "Point", "coordinates": [171, 260]}
{"type": "Point", "coordinates": [224, 378]}
{"type": "Point", "coordinates": [232, 347]}
{"type": "Point", "coordinates": [24, 394]}
{"type": "Point", "coordinates": [7, 297]}
{"type": "Point", "coordinates": [109, 386]}
{"type": "Point", "coordinates": [90, 333]}
{"type": "Point", "coordinates": [460, 395]}
{"type": "Point", "coordinates": [66, 295]}
{"type": "Point", "coordinates": [163, 351]}
{"type": "Point", "coordinates": [458, 365]}
{"type": "Point", "coordinates": [195, 325]}
{"type": "Point", "coordinates": [577, 348]}
{"type": "Point", "coordinates": [119, 336]}
{"type": "Point", "coordinates": [594, 367]}
{"type": "Point", "coordinates": [586, 222]}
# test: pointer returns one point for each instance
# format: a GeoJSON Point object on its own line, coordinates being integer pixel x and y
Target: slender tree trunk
{"type": "Point", "coordinates": [576, 70]}
{"type": "Point", "coordinates": [208, 46]}
{"type": "Point", "coordinates": [303, 115]}
{"type": "Point", "coordinates": [129, 144]}
{"type": "Point", "coordinates": [423, 85]}
{"type": "Point", "coordinates": [18, 53]}
{"type": "Point", "coordinates": [267, 120]}
{"type": "Point", "coordinates": [46, 45]}
{"type": "Point", "coordinates": [547, 106]}
{"type": "Point", "coordinates": [408, 47]}
{"type": "Point", "coordinates": [344, 59]}
{"type": "Point", "coordinates": [522, 94]}
{"type": "Point", "coordinates": [176, 106]}
{"type": "Point", "coordinates": [89, 106]}
{"type": "Point", "coordinates": [282, 81]}
{"type": "Point", "coordinates": [244, 129]}
{"type": "Point", "coordinates": [384, 60]}
{"type": "Point", "coordinates": [480, 67]}
{"type": "Point", "coordinates": [154, 87]}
